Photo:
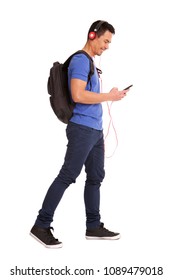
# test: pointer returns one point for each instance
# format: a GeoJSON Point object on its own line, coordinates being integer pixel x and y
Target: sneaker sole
{"type": "Point", "coordinates": [103, 238]}
{"type": "Point", "coordinates": [57, 246]}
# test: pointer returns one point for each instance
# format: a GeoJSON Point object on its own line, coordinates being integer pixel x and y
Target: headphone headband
{"type": "Point", "coordinates": [98, 25]}
{"type": "Point", "coordinates": [92, 34]}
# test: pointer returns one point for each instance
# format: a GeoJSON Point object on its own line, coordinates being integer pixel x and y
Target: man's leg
{"type": "Point", "coordinates": [94, 167]}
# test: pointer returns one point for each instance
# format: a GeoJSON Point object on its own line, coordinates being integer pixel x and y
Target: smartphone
{"type": "Point", "coordinates": [128, 87]}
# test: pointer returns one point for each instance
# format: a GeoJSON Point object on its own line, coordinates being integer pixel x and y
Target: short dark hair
{"type": "Point", "coordinates": [100, 27]}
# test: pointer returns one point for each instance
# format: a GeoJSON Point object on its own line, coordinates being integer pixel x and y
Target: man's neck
{"type": "Point", "coordinates": [87, 48]}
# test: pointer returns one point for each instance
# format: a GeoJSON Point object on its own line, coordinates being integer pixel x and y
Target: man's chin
{"type": "Point", "coordinates": [100, 53]}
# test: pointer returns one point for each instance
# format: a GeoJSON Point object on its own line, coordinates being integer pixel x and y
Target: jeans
{"type": "Point", "coordinates": [85, 148]}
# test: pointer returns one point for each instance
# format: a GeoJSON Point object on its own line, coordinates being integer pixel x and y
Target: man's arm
{"type": "Point", "coordinates": [80, 95]}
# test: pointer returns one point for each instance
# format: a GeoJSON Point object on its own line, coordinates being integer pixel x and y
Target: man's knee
{"type": "Point", "coordinates": [96, 178]}
{"type": "Point", "coordinates": [68, 176]}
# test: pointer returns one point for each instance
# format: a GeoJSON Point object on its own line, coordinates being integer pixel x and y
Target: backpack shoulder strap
{"type": "Point", "coordinates": [67, 62]}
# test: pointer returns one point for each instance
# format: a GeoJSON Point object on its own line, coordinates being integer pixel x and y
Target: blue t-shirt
{"type": "Point", "coordinates": [85, 114]}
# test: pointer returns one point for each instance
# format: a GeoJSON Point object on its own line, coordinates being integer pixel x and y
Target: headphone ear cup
{"type": "Point", "coordinates": [92, 35]}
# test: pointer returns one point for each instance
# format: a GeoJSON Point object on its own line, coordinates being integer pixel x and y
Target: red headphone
{"type": "Point", "coordinates": [92, 34]}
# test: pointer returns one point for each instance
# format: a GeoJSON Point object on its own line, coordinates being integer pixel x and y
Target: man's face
{"type": "Point", "coordinates": [102, 43]}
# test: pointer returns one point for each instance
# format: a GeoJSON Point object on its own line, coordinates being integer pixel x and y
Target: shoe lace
{"type": "Point", "coordinates": [49, 235]}
{"type": "Point", "coordinates": [103, 228]}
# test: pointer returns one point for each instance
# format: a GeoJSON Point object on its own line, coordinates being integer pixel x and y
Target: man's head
{"type": "Point", "coordinates": [98, 28]}
{"type": "Point", "coordinates": [100, 36]}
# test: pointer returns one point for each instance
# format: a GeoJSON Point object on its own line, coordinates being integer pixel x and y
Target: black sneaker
{"type": "Point", "coordinates": [101, 233]}
{"type": "Point", "coordinates": [45, 237]}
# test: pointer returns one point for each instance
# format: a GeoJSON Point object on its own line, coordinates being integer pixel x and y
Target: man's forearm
{"type": "Point", "coordinates": [88, 97]}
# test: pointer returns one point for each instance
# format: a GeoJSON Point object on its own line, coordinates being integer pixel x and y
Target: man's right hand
{"type": "Point", "coordinates": [115, 94]}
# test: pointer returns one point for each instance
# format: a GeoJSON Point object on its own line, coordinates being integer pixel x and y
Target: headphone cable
{"type": "Point", "coordinates": [110, 119]}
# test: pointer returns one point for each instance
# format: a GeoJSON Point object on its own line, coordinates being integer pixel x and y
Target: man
{"type": "Point", "coordinates": [85, 142]}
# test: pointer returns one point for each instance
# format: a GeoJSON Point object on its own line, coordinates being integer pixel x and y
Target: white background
{"type": "Point", "coordinates": [136, 193]}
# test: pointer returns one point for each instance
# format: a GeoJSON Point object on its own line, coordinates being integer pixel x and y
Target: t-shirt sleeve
{"type": "Point", "coordinates": [79, 67]}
